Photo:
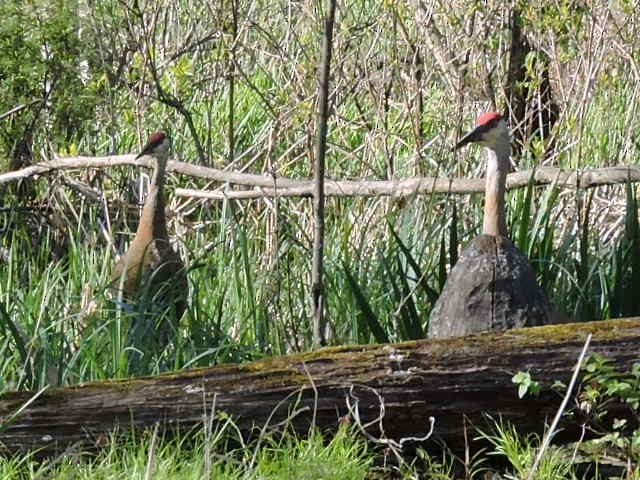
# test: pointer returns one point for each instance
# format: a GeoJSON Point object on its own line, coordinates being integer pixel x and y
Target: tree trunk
{"type": "Point", "coordinates": [446, 379]}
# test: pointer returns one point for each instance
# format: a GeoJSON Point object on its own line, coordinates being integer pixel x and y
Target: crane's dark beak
{"type": "Point", "coordinates": [474, 135]}
{"type": "Point", "coordinates": [148, 148]}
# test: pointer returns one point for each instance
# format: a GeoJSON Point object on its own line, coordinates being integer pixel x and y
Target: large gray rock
{"type": "Point", "coordinates": [492, 287]}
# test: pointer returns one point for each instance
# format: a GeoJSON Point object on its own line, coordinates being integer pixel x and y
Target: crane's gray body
{"type": "Point", "coordinates": [492, 287]}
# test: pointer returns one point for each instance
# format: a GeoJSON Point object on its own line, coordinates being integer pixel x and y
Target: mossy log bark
{"type": "Point", "coordinates": [447, 379]}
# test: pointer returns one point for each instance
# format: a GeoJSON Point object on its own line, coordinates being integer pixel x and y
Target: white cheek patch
{"type": "Point", "coordinates": [495, 136]}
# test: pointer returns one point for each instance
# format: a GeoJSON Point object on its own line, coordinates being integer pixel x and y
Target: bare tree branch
{"type": "Point", "coordinates": [269, 185]}
{"type": "Point", "coordinates": [317, 288]}
{"type": "Point", "coordinates": [578, 179]}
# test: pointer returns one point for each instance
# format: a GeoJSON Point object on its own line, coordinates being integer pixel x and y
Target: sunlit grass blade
{"type": "Point", "coordinates": [423, 284]}
{"type": "Point", "coordinates": [365, 313]}
{"type": "Point", "coordinates": [522, 222]}
{"type": "Point", "coordinates": [407, 306]}
{"type": "Point", "coordinates": [442, 263]}
{"type": "Point", "coordinates": [632, 234]}
{"type": "Point", "coordinates": [626, 262]}
{"type": "Point", "coordinates": [453, 237]}
{"type": "Point", "coordinates": [5, 318]}
{"type": "Point", "coordinates": [585, 308]}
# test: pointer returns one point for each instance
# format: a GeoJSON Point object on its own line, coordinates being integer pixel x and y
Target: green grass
{"type": "Point", "coordinates": [219, 453]}
{"type": "Point", "coordinates": [520, 452]}
{"type": "Point", "coordinates": [208, 456]}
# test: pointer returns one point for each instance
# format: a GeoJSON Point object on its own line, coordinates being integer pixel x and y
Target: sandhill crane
{"type": "Point", "coordinates": [151, 272]}
{"type": "Point", "coordinates": [492, 133]}
{"type": "Point", "coordinates": [492, 286]}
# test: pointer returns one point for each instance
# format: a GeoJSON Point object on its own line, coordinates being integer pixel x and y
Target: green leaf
{"type": "Point", "coordinates": [522, 390]}
{"type": "Point", "coordinates": [366, 313]}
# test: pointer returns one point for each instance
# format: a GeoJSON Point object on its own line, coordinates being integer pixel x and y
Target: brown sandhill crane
{"type": "Point", "coordinates": [492, 286]}
{"type": "Point", "coordinates": [151, 271]}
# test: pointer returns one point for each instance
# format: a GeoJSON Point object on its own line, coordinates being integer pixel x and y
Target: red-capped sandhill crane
{"type": "Point", "coordinates": [151, 272]}
{"type": "Point", "coordinates": [492, 286]}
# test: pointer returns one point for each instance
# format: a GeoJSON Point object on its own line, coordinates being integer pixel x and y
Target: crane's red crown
{"type": "Point", "coordinates": [485, 123]}
{"type": "Point", "coordinates": [155, 139]}
{"type": "Point", "coordinates": [488, 118]}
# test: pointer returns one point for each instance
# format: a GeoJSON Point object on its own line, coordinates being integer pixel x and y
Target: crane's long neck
{"type": "Point", "coordinates": [495, 218]}
{"type": "Point", "coordinates": [153, 221]}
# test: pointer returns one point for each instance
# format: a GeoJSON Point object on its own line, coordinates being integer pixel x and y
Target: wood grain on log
{"type": "Point", "coordinates": [446, 379]}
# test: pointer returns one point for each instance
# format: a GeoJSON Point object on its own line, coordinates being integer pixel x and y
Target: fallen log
{"type": "Point", "coordinates": [445, 379]}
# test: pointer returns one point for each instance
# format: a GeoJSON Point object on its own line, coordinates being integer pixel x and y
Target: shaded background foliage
{"type": "Point", "coordinates": [234, 84]}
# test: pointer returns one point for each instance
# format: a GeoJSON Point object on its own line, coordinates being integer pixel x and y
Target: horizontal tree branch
{"type": "Point", "coordinates": [448, 379]}
{"type": "Point", "coordinates": [429, 185]}
{"type": "Point", "coordinates": [269, 186]}
{"type": "Point", "coordinates": [71, 163]}
{"type": "Point", "coordinates": [16, 109]}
